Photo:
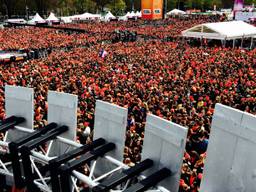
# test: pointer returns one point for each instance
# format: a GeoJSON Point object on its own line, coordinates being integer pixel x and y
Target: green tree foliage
{"type": "Point", "coordinates": [67, 7]}
{"type": "Point", "coordinates": [101, 4]}
{"type": "Point", "coordinates": [117, 7]}
{"type": "Point", "coordinates": [82, 6]}
{"type": "Point", "coordinates": [8, 6]}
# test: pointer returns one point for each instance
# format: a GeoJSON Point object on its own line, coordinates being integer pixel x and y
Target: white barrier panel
{"type": "Point", "coordinates": [62, 109]}
{"type": "Point", "coordinates": [19, 101]}
{"type": "Point", "coordinates": [110, 124]}
{"type": "Point", "coordinates": [230, 163]}
{"type": "Point", "coordinates": [164, 143]}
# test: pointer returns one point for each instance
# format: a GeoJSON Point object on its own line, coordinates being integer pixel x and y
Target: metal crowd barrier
{"type": "Point", "coordinates": [49, 159]}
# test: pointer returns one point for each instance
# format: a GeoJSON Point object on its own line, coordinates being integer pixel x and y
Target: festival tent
{"type": "Point", "coordinates": [138, 14]}
{"type": "Point", "coordinates": [95, 16]}
{"type": "Point", "coordinates": [21, 21]}
{"type": "Point", "coordinates": [86, 16]}
{"type": "Point", "coordinates": [75, 17]}
{"type": "Point", "coordinates": [109, 16]}
{"type": "Point", "coordinates": [132, 15]}
{"type": "Point", "coordinates": [176, 12]}
{"type": "Point", "coordinates": [222, 31]}
{"type": "Point", "coordinates": [52, 18]}
{"type": "Point", "coordinates": [37, 19]}
{"type": "Point", "coordinates": [127, 15]}
{"type": "Point", "coordinates": [123, 18]}
{"type": "Point", "coordinates": [67, 19]}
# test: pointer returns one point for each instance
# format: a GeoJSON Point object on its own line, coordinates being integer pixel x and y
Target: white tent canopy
{"type": "Point", "coordinates": [132, 15]}
{"type": "Point", "coordinates": [52, 18]}
{"type": "Point", "coordinates": [122, 18]}
{"type": "Point", "coordinates": [36, 19]}
{"type": "Point", "coordinates": [138, 14]}
{"type": "Point", "coordinates": [23, 21]}
{"type": "Point", "coordinates": [127, 15]}
{"type": "Point", "coordinates": [66, 19]}
{"type": "Point", "coordinates": [95, 16]}
{"type": "Point", "coordinates": [221, 30]}
{"type": "Point", "coordinates": [86, 16]}
{"type": "Point", "coordinates": [75, 17]}
{"type": "Point", "coordinates": [176, 12]}
{"type": "Point", "coordinates": [109, 16]}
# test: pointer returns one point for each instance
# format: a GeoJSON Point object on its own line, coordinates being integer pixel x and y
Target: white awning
{"type": "Point", "coordinates": [36, 19]}
{"type": "Point", "coordinates": [109, 16]}
{"type": "Point", "coordinates": [52, 18]}
{"type": "Point", "coordinates": [66, 19]}
{"type": "Point", "coordinates": [176, 12]}
{"type": "Point", "coordinates": [221, 30]}
{"type": "Point", "coordinates": [16, 21]}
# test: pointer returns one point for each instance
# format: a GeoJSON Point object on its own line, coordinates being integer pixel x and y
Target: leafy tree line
{"type": "Point", "coordinates": [68, 7]}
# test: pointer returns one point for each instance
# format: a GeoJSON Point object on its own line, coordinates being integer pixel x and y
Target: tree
{"type": "Point", "coordinates": [137, 5]}
{"type": "Point", "coordinates": [66, 7]}
{"type": "Point", "coordinates": [90, 6]}
{"type": "Point", "coordinates": [8, 6]}
{"type": "Point", "coordinates": [40, 6]}
{"type": "Point", "coordinates": [101, 4]}
{"type": "Point", "coordinates": [84, 5]}
{"type": "Point", "coordinates": [217, 3]}
{"type": "Point", "coordinates": [117, 7]}
{"type": "Point", "coordinates": [250, 2]}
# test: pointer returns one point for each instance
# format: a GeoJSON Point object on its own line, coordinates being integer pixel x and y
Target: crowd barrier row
{"type": "Point", "coordinates": [50, 159]}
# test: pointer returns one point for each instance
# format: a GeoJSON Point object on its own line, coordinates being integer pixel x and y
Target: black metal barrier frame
{"type": "Point", "coordinates": [61, 169]}
{"type": "Point", "coordinates": [14, 148]}
{"type": "Point", "coordinates": [10, 122]}
{"type": "Point", "coordinates": [25, 152]}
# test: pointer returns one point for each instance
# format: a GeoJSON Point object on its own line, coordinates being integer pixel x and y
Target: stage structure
{"type": "Point", "coordinates": [49, 159]}
{"type": "Point", "coordinates": [152, 9]}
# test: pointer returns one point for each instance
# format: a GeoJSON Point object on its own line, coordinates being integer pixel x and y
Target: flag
{"type": "Point", "coordinates": [103, 53]}
{"type": "Point", "coordinates": [238, 6]}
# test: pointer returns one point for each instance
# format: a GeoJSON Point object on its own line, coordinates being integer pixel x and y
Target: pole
{"type": "Point", "coordinates": [132, 5]}
{"type": "Point", "coordinates": [164, 8]}
{"type": "Point", "coordinates": [6, 9]}
{"type": "Point", "coordinates": [251, 43]}
{"type": "Point", "coordinates": [26, 9]}
{"type": "Point", "coordinates": [242, 41]}
{"type": "Point", "coordinates": [27, 12]}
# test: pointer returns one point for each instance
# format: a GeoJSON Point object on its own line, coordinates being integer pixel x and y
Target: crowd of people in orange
{"type": "Point", "coordinates": [173, 80]}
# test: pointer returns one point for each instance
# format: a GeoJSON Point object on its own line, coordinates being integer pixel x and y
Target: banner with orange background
{"type": "Point", "coordinates": [152, 9]}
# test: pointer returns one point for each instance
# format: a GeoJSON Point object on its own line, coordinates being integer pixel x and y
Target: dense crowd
{"type": "Point", "coordinates": [171, 27]}
{"type": "Point", "coordinates": [37, 38]}
{"type": "Point", "coordinates": [170, 79]}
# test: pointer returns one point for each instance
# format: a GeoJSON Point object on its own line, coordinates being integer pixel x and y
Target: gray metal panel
{"type": "Point", "coordinates": [164, 143]}
{"type": "Point", "coordinates": [230, 163]}
{"type": "Point", "coordinates": [243, 173]}
{"type": "Point", "coordinates": [62, 109]}
{"type": "Point", "coordinates": [110, 124]}
{"type": "Point", "coordinates": [19, 101]}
